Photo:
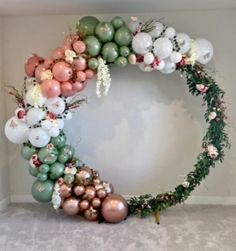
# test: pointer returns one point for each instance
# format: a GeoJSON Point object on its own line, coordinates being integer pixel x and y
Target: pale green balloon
{"type": "Point", "coordinates": [42, 176]}
{"type": "Point", "coordinates": [124, 51]}
{"type": "Point", "coordinates": [93, 63]}
{"type": "Point", "coordinates": [63, 158]}
{"type": "Point", "coordinates": [59, 141]}
{"type": "Point", "coordinates": [33, 171]}
{"type": "Point", "coordinates": [69, 179]}
{"type": "Point", "coordinates": [93, 46]}
{"type": "Point", "coordinates": [57, 170]}
{"type": "Point", "coordinates": [105, 31]}
{"type": "Point", "coordinates": [110, 52]}
{"type": "Point", "coordinates": [87, 26]}
{"type": "Point", "coordinates": [42, 190]}
{"type": "Point", "coordinates": [67, 150]}
{"type": "Point", "coordinates": [48, 155]}
{"type": "Point", "coordinates": [44, 168]}
{"type": "Point", "coordinates": [117, 22]}
{"type": "Point", "coordinates": [27, 151]}
{"type": "Point", "coordinates": [121, 61]}
{"type": "Point", "coordinates": [123, 36]}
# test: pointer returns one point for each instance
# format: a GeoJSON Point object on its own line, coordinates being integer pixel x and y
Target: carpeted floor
{"type": "Point", "coordinates": [32, 227]}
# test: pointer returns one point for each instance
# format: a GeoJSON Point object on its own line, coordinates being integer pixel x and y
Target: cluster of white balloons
{"type": "Point", "coordinates": [40, 122]}
{"type": "Point", "coordinates": [163, 45]}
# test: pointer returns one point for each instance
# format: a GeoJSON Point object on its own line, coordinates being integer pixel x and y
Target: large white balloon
{"type": "Point", "coordinates": [184, 42]}
{"type": "Point", "coordinates": [16, 131]}
{"type": "Point", "coordinates": [38, 137]}
{"type": "Point", "coordinates": [170, 32]}
{"type": "Point", "coordinates": [169, 67]}
{"type": "Point", "coordinates": [162, 47]}
{"type": "Point", "coordinates": [135, 25]}
{"type": "Point", "coordinates": [157, 30]}
{"type": "Point", "coordinates": [35, 97]}
{"type": "Point", "coordinates": [34, 115]}
{"type": "Point", "coordinates": [142, 43]}
{"type": "Point", "coordinates": [55, 105]}
{"type": "Point", "coordinates": [204, 50]}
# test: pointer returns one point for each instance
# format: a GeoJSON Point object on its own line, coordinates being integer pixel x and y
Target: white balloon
{"type": "Point", "coordinates": [169, 67]}
{"type": "Point", "coordinates": [142, 43]}
{"type": "Point", "coordinates": [135, 25]}
{"type": "Point", "coordinates": [46, 124]}
{"type": "Point", "coordinates": [55, 105]}
{"type": "Point", "coordinates": [157, 30]}
{"type": "Point", "coordinates": [204, 50]}
{"type": "Point", "coordinates": [38, 137]}
{"type": "Point", "coordinates": [60, 123]}
{"type": "Point", "coordinates": [35, 97]}
{"type": "Point", "coordinates": [68, 115]}
{"type": "Point", "coordinates": [146, 68]}
{"type": "Point", "coordinates": [148, 58]}
{"type": "Point", "coordinates": [16, 131]}
{"type": "Point", "coordinates": [54, 132]}
{"type": "Point", "coordinates": [175, 57]}
{"type": "Point", "coordinates": [184, 42]}
{"type": "Point", "coordinates": [160, 65]}
{"type": "Point", "coordinates": [34, 115]}
{"type": "Point", "coordinates": [162, 47]}
{"type": "Point", "coordinates": [170, 32]}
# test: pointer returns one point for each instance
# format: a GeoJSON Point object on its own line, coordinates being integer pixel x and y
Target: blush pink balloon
{"type": "Point", "coordinates": [51, 88]}
{"type": "Point", "coordinates": [38, 71]}
{"type": "Point", "coordinates": [70, 39]}
{"type": "Point", "coordinates": [48, 63]}
{"type": "Point", "coordinates": [79, 46]}
{"type": "Point", "coordinates": [78, 86]}
{"type": "Point", "coordinates": [81, 76]}
{"type": "Point", "coordinates": [80, 64]}
{"type": "Point", "coordinates": [66, 89]}
{"type": "Point", "coordinates": [62, 71]}
{"type": "Point", "coordinates": [89, 73]}
{"type": "Point", "coordinates": [32, 63]}
{"type": "Point", "coordinates": [58, 53]}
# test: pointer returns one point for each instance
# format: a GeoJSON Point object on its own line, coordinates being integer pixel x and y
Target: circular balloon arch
{"type": "Point", "coordinates": [51, 92]}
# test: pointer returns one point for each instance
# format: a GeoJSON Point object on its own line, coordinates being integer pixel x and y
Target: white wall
{"type": "Point", "coordinates": [4, 171]}
{"type": "Point", "coordinates": [144, 137]}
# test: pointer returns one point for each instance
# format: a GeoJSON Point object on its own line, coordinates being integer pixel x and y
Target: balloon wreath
{"type": "Point", "coordinates": [50, 95]}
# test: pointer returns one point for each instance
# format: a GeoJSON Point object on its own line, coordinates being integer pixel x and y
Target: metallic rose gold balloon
{"type": "Point", "coordinates": [84, 176]}
{"type": "Point", "coordinates": [79, 190]}
{"type": "Point", "coordinates": [91, 214]}
{"type": "Point", "coordinates": [96, 202]}
{"type": "Point", "coordinates": [108, 187]}
{"type": "Point", "coordinates": [71, 206]}
{"type": "Point", "coordinates": [96, 181]}
{"type": "Point", "coordinates": [90, 193]}
{"type": "Point", "coordinates": [84, 204]}
{"type": "Point", "coordinates": [101, 193]}
{"type": "Point", "coordinates": [114, 208]}
{"type": "Point", "coordinates": [65, 191]}
{"type": "Point", "coordinates": [98, 187]}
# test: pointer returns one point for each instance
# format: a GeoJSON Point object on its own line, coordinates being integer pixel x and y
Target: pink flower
{"type": "Point", "coordinates": [202, 88]}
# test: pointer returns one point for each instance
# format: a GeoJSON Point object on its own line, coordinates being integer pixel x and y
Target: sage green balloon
{"type": "Point", "coordinates": [63, 158]}
{"type": "Point", "coordinates": [93, 46]}
{"type": "Point", "coordinates": [44, 168]}
{"type": "Point", "coordinates": [86, 26]}
{"type": "Point", "coordinates": [59, 141]}
{"type": "Point", "coordinates": [105, 31]}
{"type": "Point", "coordinates": [57, 170]}
{"type": "Point", "coordinates": [117, 22]}
{"type": "Point", "coordinates": [68, 150]}
{"type": "Point", "coordinates": [123, 36]}
{"type": "Point", "coordinates": [124, 51]}
{"type": "Point", "coordinates": [33, 171]}
{"type": "Point", "coordinates": [42, 190]}
{"type": "Point", "coordinates": [110, 52]}
{"type": "Point", "coordinates": [27, 151]}
{"type": "Point", "coordinates": [69, 178]}
{"type": "Point", "coordinates": [121, 61]}
{"type": "Point", "coordinates": [48, 155]}
{"type": "Point", "coordinates": [93, 63]}
{"type": "Point", "coordinates": [42, 176]}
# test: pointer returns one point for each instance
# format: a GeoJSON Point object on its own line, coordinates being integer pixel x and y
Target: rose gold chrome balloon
{"type": "Point", "coordinates": [91, 214]}
{"type": "Point", "coordinates": [90, 193]}
{"type": "Point", "coordinates": [65, 191]}
{"type": "Point", "coordinates": [96, 202]}
{"type": "Point", "coordinates": [84, 204]}
{"type": "Point", "coordinates": [114, 208]}
{"type": "Point", "coordinates": [98, 187]}
{"type": "Point", "coordinates": [101, 193]}
{"type": "Point", "coordinates": [96, 181]}
{"type": "Point", "coordinates": [71, 206]}
{"type": "Point", "coordinates": [79, 190]}
{"type": "Point", "coordinates": [84, 176]}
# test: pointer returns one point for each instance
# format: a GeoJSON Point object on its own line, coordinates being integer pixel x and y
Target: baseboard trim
{"type": "Point", "coordinates": [4, 203]}
{"type": "Point", "coordinates": [201, 200]}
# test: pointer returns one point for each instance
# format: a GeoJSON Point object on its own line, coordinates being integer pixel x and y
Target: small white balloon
{"type": "Point", "coordinates": [142, 43]}
{"type": "Point", "coordinates": [148, 58]}
{"type": "Point", "coordinates": [184, 42]}
{"type": "Point", "coordinates": [38, 137]}
{"type": "Point", "coordinates": [34, 115]}
{"type": "Point", "coordinates": [16, 131]}
{"type": "Point", "coordinates": [204, 50]}
{"type": "Point", "coordinates": [34, 96]}
{"type": "Point", "coordinates": [160, 65]}
{"type": "Point", "coordinates": [46, 124]}
{"type": "Point", "coordinates": [60, 123]}
{"type": "Point", "coordinates": [162, 47]}
{"type": "Point", "coordinates": [135, 25]}
{"type": "Point", "coordinates": [170, 32]}
{"type": "Point", "coordinates": [169, 67]}
{"type": "Point", "coordinates": [55, 105]}
{"type": "Point", "coordinates": [175, 57]}
{"type": "Point", "coordinates": [157, 30]}
{"type": "Point", "coordinates": [53, 132]}
{"type": "Point", "coordinates": [146, 68]}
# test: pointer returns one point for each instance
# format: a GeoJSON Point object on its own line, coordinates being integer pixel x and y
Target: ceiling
{"type": "Point", "coordinates": [57, 7]}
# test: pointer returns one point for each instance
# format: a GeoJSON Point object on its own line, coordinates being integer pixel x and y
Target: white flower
{"type": "Point", "coordinates": [45, 75]}
{"type": "Point", "coordinates": [212, 151]}
{"type": "Point", "coordinates": [70, 170]}
{"type": "Point", "coordinates": [103, 78]}
{"type": "Point", "coordinates": [70, 55]}
{"type": "Point", "coordinates": [185, 184]}
{"type": "Point", "coordinates": [56, 198]}
{"type": "Point", "coordinates": [212, 115]}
